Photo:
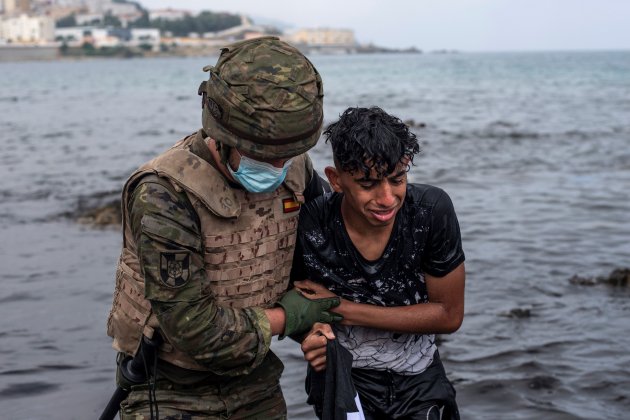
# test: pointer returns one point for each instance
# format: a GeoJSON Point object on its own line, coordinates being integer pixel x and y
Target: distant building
{"type": "Point", "coordinates": [8, 6]}
{"type": "Point", "coordinates": [168, 14]}
{"type": "Point", "coordinates": [109, 37]}
{"type": "Point", "coordinates": [322, 37]}
{"type": "Point", "coordinates": [27, 30]}
{"type": "Point", "coordinates": [84, 19]}
{"type": "Point", "coordinates": [59, 12]}
{"type": "Point", "coordinates": [12, 7]}
{"type": "Point", "coordinates": [246, 30]}
{"type": "Point", "coordinates": [78, 35]}
{"type": "Point", "coordinates": [93, 12]}
{"type": "Point", "coordinates": [145, 37]}
{"type": "Point", "coordinates": [103, 6]}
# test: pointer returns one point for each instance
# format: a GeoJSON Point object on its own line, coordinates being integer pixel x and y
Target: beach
{"type": "Point", "coordinates": [533, 149]}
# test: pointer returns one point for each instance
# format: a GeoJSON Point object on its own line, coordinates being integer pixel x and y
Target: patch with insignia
{"type": "Point", "coordinates": [289, 205]}
{"type": "Point", "coordinates": [214, 109]}
{"type": "Point", "coordinates": [174, 268]}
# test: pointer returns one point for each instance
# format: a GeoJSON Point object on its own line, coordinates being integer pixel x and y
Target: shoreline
{"type": "Point", "coordinates": [57, 52]}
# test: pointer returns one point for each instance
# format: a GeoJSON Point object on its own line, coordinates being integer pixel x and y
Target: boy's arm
{"type": "Point", "coordinates": [443, 313]}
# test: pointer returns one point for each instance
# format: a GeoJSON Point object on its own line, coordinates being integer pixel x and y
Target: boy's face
{"type": "Point", "coordinates": [370, 199]}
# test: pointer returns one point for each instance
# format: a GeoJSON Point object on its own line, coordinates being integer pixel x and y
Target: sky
{"type": "Point", "coordinates": [465, 25]}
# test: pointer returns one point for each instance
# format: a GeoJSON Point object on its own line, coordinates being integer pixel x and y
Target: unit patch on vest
{"type": "Point", "coordinates": [289, 205]}
{"type": "Point", "coordinates": [174, 268]}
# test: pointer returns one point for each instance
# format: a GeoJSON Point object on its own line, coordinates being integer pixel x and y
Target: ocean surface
{"type": "Point", "coordinates": [533, 148]}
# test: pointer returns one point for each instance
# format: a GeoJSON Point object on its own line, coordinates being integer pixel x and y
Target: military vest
{"type": "Point", "coordinates": [248, 242]}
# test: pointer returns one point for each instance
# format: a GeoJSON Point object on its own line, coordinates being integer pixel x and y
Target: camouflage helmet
{"type": "Point", "coordinates": [263, 97]}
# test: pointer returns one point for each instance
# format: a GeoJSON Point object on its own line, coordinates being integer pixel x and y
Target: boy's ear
{"type": "Point", "coordinates": [333, 178]}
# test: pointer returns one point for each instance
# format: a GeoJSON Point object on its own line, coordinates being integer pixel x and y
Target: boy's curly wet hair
{"type": "Point", "coordinates": [366, 138]}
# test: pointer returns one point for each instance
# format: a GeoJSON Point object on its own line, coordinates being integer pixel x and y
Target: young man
{"type": "Point", "coordinates": [392, 251]}
{"type": "Point", "coordinates": [209, 228]}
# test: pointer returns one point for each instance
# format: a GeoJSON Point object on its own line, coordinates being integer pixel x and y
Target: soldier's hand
{"type": "Point", "coordinates": [301, 313]}
{"type": "Point", "coordinates": [314, 345]}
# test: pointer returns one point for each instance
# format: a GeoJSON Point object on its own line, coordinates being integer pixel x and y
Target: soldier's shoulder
{"type": "Point", "coordinates": [157, 195]}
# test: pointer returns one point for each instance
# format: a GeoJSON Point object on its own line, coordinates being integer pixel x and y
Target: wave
{"type": "Point", "coordinates": [27, 389]}
{"type": "Point", "coordinates": [510, 131]}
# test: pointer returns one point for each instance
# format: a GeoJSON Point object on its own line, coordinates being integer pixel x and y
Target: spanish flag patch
{"type": "Point", "coordinates": [289, 205]}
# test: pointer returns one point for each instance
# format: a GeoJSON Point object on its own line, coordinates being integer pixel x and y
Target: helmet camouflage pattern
{"type": "Point", "coordinates": [263, 97]}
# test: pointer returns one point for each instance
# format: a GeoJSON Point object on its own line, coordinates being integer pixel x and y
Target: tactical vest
{"type": "Point", "coordinates": [248, 241]}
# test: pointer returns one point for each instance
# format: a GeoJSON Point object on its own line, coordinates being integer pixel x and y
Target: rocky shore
{"type": "Point", "coordinates": [619, 277]}
{"type": "Point", "coordinates": [100, 210]}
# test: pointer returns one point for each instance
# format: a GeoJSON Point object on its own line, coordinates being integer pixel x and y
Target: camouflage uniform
{"type": "Point", "coordinates": [200, 288]}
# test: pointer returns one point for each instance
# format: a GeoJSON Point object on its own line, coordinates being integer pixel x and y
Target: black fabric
{"type": "Point", "coordinates": [316, 187]}
{"type": "Point", "coordinates": [331, 392]}
{"type": "Point", "coordinates": [425, 239]}
{"type": "Point", "coordinates": [387, 395]}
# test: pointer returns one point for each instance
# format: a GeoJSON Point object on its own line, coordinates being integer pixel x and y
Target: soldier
{"type": "Point", "coordinates": [209, 231]}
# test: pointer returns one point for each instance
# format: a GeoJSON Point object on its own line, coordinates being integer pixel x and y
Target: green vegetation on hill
{"type": "Point", "coordinates": [204, 22]}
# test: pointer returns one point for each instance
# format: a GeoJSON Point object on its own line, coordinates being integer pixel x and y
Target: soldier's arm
{"type": "Point", "coordinates": [168, 239]}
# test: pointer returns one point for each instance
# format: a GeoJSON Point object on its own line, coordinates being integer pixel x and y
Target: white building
{"type": "Point", "coordinates": [15, 7]}
{"type": "Point", "coordinates": [168, 14]}
{"type": "Point", "coordinates": [8, 6]}
{"type": "Point", "coordinates": [27, 30]}
{"type": "Point", "coordinates": [76, 36]}
{"type": "Point", "coordinates": [112, 37]}
{"type": "Point", "coordinates": [88, 18]}
{"type": "Point", "coordinates": [97, 11]}
{"type": "Point", "coordinates": [120, 9]}
{"type": "Point", "coordinates": [12, 7]}
{"type": "Point", "coordinates": [145, 36]}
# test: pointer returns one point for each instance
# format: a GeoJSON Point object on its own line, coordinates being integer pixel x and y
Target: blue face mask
{"type": "Point", "coordinates": [259, 177]}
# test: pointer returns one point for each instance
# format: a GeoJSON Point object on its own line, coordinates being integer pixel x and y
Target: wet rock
{"type": "Point", "coordinates": [103, 216]}
{"type": "Point", "coordinates": [518, 313]}
{"type": "Point", "coordinates": [619, 277]}
{"type": "Point", "coordinates": [26, 389]}
{"type": "Point", "coordinates": [582, 281]}
{"type": "Point", "coordinates": [489, 386]}
{"type": "Point", "coordinates": [542, 382]}
{"type": "Point", "coordinates": [412, 123]}
{"type": "Point", "coordinates": [99, 210]}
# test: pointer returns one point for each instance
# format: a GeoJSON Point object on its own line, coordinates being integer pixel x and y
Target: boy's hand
{"type": "Point", "coordinates": [314, 345]}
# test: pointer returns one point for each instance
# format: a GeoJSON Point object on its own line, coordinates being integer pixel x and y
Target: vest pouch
{"type": "Point", "coordinates": [130, 311]}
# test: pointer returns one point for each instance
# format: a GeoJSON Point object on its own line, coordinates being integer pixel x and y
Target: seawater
{"type": "Point", "coordinates": [533, 148]}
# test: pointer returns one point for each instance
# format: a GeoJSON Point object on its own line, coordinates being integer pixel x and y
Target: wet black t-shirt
{"type": "Point", "coordinates": [425, 239]}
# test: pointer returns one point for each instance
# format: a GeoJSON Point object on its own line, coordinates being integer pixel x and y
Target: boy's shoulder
{"type": "Point", "coordinates": [424, 194]}
{"type": "Point", "coordinates": [320, 209]}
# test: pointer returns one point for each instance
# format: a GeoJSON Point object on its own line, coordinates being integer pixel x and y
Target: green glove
{"type": "Point", "coordinates": [301, 313]}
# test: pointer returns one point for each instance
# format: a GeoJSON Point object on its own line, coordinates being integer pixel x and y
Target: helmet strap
{"type": "Point", "coordinates": [224, 151]}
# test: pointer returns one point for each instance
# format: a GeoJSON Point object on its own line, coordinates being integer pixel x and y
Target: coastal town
{"type": "Point", "coordinates": [51, 29]}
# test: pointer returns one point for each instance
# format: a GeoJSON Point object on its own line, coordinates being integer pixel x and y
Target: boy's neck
{"type": "Point", "coordinates": [368, 239]}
